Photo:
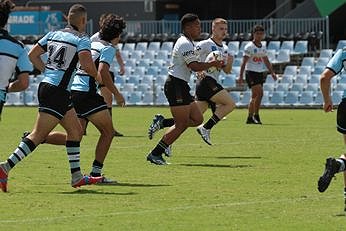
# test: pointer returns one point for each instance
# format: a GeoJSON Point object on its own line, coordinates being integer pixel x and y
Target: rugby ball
{"type": "Point", "coordinates": [212, 56]}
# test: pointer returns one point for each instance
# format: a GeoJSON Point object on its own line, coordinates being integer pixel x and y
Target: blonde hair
{"type": "Point", "coordinates": [218, 21]}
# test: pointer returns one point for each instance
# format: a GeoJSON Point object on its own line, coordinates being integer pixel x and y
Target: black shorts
{"type": "Point", "coordinates": [54, 100]}
{"type": "Point", "coordinates": [207, 88]}
{"type": "Point", "coordinates": [341, 117]}
{"type": "Point", "coordinates": [86, 103]}
{"type": "Point", "coordinates": [112, 77]}
{"type": "Point", "coordinates": [253, 78]}
{"type": "Point", "coordinates": [177, 92]}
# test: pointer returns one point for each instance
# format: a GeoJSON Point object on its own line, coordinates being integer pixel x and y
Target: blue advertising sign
{"type": "Point", "coordinates": [34, 22]}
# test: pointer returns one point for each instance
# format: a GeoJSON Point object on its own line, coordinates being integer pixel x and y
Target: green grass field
{"type": "Point", "coordinates": [252, 178]}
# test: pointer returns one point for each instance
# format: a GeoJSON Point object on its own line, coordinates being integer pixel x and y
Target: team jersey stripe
{"type": "Point", "coordinates": [59, 41]}
{"type": "Point", "coordinates": [9, 55]}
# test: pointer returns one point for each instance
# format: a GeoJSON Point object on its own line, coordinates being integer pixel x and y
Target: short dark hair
{"type": "Point", "coordinates": [188, 18]}
{"type": "Point", "coordinates": [257, 28]}
{"type": "Point", "coordinates": [5, 9]}
{"type": "Point", "coordinates": [75, 12]}
{"type": "Point", "coordinates": [112, 26]}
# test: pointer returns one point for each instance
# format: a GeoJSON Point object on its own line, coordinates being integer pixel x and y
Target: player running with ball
{"type": "Point", "coordinates": [208, 90]}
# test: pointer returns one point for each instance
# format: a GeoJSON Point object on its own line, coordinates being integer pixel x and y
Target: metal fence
{"type": "Point", "coordinates": [273, 26]}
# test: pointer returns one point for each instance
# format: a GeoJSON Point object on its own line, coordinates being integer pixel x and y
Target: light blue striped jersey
{"type": "Point", "coordinates": [101, 51]}
{"type": "Point", "coordinates": [63, 47]}
{"type": "Point", "coordinates": [337, 63]}
{"type": "Point", "coordinates": [13, 58]}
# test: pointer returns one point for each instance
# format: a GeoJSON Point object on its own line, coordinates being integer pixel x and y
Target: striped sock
{"type": "Point", "coordinates": [160, 148]}
{"type": "Point", "coordinates": [24, 148]}
{"type": "Point", "coordinates": [96, 168]}
{"type": "Point", "coordinates": [73, 153]}
{"type": "Point", "coordinates": [211, 122]}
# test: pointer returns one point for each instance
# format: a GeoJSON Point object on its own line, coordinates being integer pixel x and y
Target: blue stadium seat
{"type": "Point", "coordinates": [307, 98]}
{"type": "Point", "coordinates": [269, 79]}
{"type": "Point", "coordinates": [159, 63]}
{"type": "Point", "coordinates": [265, 98]}
{"type": "Point", "coordinates": [301, 78]}
{"type": "Point", "coordinates": [160, 79]}
{"type": "Point", "coordinates": [167, 46]}
{"type": "Point", "coordinates": [318, 70]}
{"type": "Point", "coordinates": [129, 47]}
{"type": "Point", "coordinates": [235, 95]}
{"type": "Point", "coordinates": [274, 45]}
{"type": "Point", "coordinates": [289, 45]}
{"type": "Point", "coordinates": [144, 62]}
{"type": "Point", "coordinates": [130, 63]}
{"type": "Point", "coordinates": [30, 98]}
{"type": "Point", "coordinates": [149, 54]}
{"type": "Point", "coordinates": [341, 44]}
{"type": "Point", "coordinates": [337, 97]}
{"type": "Point", "coordinates": [135, 79]}
{"type": "Point", "coordinates": [319, 98]}
{"type": "Point", "coordinates": [147, 79]}
{"type": "Point", "coordinates": [229, 81]}
{"type": "Point", "coordinates": [290, 70]}
{"type": "Point", "coordinates": [326, 53]}
{"type": "Point", "coordinates": [301, 47]}
{"type": "Point", "coordinates": [163, 55]}
{"type": "Point", "coordinates": [161, 99]}
{"type": "Point", "coordinates": [292, 98]}
{"type": "Point", "coordinates": [245, 99]}
{"type": "Point", "coordinates": [153, 70]}
{"type": "Point", "coordinates": [314, 78]}
{"type": "Point", "coordinates": [154, 46]}
{"type": "Point", "coordinates": [297, 87]}
{"type": "Point", "coordinates": [308, 61]}
{"type": "Point", "coordinates": [135, 98]}
{"type": "Point", "coordinates": [277, 98]}
{"type": "Point", "coordinates": [142, 46]}
{"type": "Point", "coordinates": [269, 87]}
{"type": "Point", "coordinates": [137, 54]}
{"type": "Point", "coordinates": [14, 98]}
{"type": "Point", "coordinates": [283, 56]}
{"type": "Point", "coordinates": [271, 54]}
{"type": "Point", "coordinates": [129, 87]}
{"type": "Point", "coordinates": [314, 87]}
{"type": "Point", "coordinates": [287, 79]}
{"type": "Point", "coordinates": [125, 54]}
{"type": "Point", "coordinates": [233, 46]}
{"type": "Point", "coordinates": [143, 87]}
{"type": "Point", "coordinates": [322, 61]}
{"type": "Point", "coordinates": [139, 71]}
{"type": "Point", "coordinates": [148, 98]}
{"type": "Point", "coordinates": [305, 70]}
{"type": "Point", "coordinates": [340, 87]}
{"type": "Point", "coordinates": [237, 62]}
{"type": "Point", "coordinates": [282, 87]}
{"type": "Point", "coordinates": [242, 45]}
{"type": "Point", "coordinates": [120, 80]}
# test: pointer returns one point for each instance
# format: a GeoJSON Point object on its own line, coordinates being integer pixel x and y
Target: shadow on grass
{"type": "Point", "coordinates": [238, 157]}
{"type": "Point", "coordinates": [86, 191]}
{"type": "Point", "coordinates": [137, 185]}
{"type": "Point", "coordinates": [225, 157]}
{"type": "Point", "coordinates": [129, 136]}
{"type": "Point", "coordinates": [340, 215]}
{"type": "Point", "coordinates": [218, 165]}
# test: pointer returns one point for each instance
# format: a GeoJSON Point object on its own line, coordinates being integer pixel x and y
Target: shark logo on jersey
{"type": "Point", "coordinates": [213, 48]}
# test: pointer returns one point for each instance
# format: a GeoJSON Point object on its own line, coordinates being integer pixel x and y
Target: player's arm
{"type": "Point", "coordinates": [120, 61]}
{"type": "Point", "coordinates": [87, 63]}
{"type": "Point", "coordinates": [325, 80]}
{"type": "Point", "coordinates": [228, 66]}
{"type": "Point", "coordinates": [35, 57]}
{"type": "Point", "coordinates": [23, 68]}
{"type": "Point", "coordinates": [103, 72]}
{"type": "Point", "coordinates": [242, 68]}
{"type": "Point", "coordinates": [269, 67]}
{"type": "Point", "coordinates": [201, 66]}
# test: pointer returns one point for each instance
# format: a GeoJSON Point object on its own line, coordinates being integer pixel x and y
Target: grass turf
{"type": "Point", "coordinates": [252, 178]}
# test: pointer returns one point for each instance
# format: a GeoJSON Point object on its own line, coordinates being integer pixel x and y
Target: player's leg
{"type": "Point", "coordinates": [103, 122]}
{"type": "Point", "coordinates": [202, 105]}
{"type": "Point", "coordinates": [44, 124]}
{"type": "Point", "coordinates": [108, 98]}
{"type": "Point", "coordinates": [74, 134]}
{"type": "Point", "coordinates": [258, 103]}
{"type": "Point", "coordinates": [333, 165]}
{"type": "Point", "coordinates": [256, 97]}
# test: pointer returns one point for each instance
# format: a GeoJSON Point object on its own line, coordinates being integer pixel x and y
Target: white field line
{"type": "Point", "coordinates": [180, 208]}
